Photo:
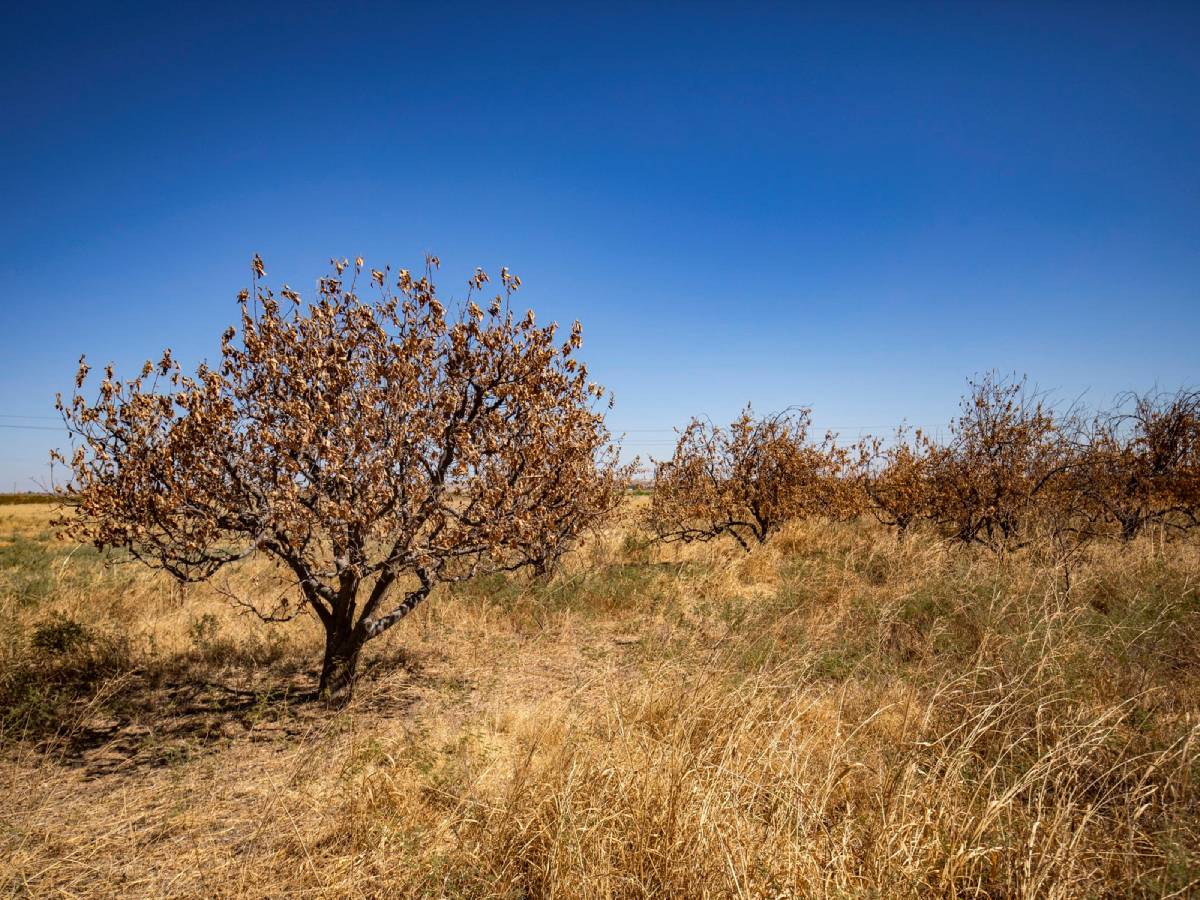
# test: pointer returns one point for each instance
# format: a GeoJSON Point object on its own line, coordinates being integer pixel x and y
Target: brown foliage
{"type": "Point", "coordinates": [897, 479]}
{"type": "Point", "coordinates": [369, 446]}
{"type": "Point", "coordinates": [1141, 464]}
{"type": "Point", "coordinates": [748, 480]}
{"type": "Point", "coordinates": [1013, 472]}
{"type": "Point", "coordinates": [987, 480]}
{"type": "Point", "coordinates": [1012, 468]}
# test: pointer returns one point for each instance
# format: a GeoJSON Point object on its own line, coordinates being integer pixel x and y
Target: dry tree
{"type": "Point", "coordinates": [748, 480]}
{"type": "Point", "coordinates": [896, 478]}
{"type": "Point", "coordinates": [1140, 464]}
{"type": "Point", "coordinates": [373, 448]}
{"type": "Point", "coordinates": [988, 479]}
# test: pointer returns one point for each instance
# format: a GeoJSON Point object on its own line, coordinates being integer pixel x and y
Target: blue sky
{"type": "Point", "coordinates": [852, 207]}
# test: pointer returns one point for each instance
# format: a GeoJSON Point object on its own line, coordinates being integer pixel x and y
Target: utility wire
{"type": "Point", "coordinates": [644, 429]}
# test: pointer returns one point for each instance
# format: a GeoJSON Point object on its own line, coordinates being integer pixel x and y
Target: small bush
{"type": "Point", "coordinates": [60, 637]}
{"type": "Point", "coordinates": [64, 664]}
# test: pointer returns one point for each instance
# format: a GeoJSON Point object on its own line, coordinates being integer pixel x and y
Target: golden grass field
{"type": "Point", "coordinates": [838, 713]}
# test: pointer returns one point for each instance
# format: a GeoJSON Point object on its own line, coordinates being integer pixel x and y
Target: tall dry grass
{"type": "Point", "coordinates": [836, 714]}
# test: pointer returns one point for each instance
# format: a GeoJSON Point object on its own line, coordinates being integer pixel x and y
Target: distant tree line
{"type": "Point", "coordinates": [1010, 470]}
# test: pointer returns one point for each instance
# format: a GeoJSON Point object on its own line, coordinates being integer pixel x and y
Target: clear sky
{"type": "Point", "coordinates": [852, 207]}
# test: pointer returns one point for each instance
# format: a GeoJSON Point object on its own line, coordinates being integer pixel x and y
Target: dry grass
{"type": "Point", "coordinates": [838, 713]}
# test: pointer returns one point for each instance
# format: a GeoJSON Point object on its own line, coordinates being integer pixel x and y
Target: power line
{"type": "Point", "coordinates": [651, 430]}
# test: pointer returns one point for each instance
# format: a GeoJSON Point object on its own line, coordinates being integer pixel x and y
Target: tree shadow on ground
{"type": "Point", "coordinates": [178, 709]}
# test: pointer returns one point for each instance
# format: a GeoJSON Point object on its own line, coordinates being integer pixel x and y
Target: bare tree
{"type": "Point", "coordinates": [373, 449]}
{"type": "Point", "coordinates": [748, 480]}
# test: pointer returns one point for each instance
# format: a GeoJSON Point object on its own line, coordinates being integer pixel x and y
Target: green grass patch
{"type": "Point", "coordinates": [611, 588]}
{"type": "Point", "coordinates": [22, 499]}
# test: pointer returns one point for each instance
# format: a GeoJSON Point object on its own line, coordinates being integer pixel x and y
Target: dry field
{"type": "Point", "coordinates": [837, 713]}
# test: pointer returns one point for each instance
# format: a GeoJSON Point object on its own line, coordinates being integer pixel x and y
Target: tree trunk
{"type": "Point", "coordinates": [1130, 526]}
{"type": "Point", "coordinates": [340, 666]}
